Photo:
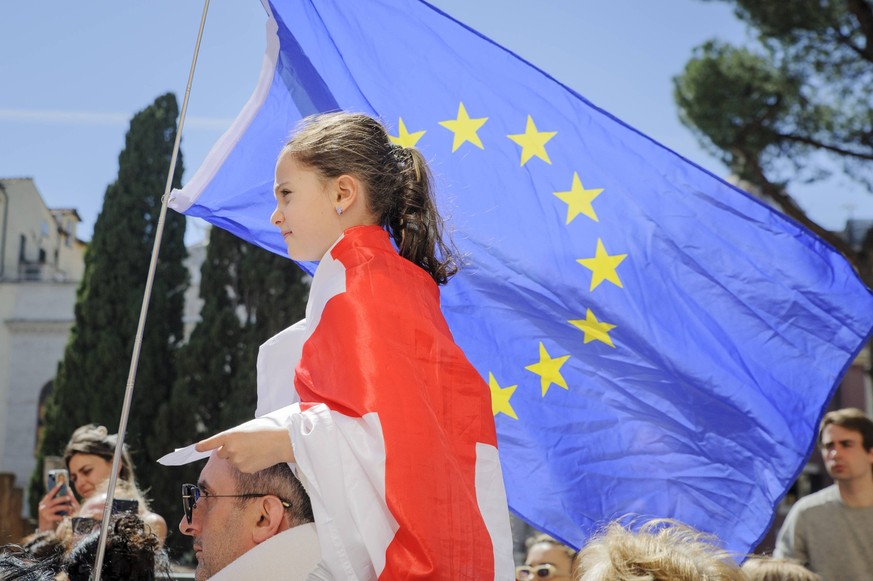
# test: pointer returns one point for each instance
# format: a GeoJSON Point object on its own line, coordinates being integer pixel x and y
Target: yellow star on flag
{"type": "Point", "coordinates": [579, 200]}
{"type": "Point", "coordinates": [464, 128]}
{"type": "Point", "coordinates": [500, 397]}
{"type": "Point", "coordinates": [405, 138]}
{"type": "Point", "coordinates": [603, 266]}
{"type": "Point", "coordinates": [549, 370]}
{"type": "Point", "coordinates": [533, 142]}
{"type": "Point", "coordinates": [594, 330]}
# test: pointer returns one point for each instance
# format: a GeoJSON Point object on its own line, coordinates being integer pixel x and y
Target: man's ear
{"type": "Point", "coordinates": [270, 517]}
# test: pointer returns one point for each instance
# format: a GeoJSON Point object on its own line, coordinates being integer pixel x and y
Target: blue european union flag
{"type": "Point", "coordinates": [657, 342]}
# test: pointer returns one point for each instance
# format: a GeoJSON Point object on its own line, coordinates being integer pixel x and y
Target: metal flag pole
{"type": "Point", "coordinates": [137, 344]}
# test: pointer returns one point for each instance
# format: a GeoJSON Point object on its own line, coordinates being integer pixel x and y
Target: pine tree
{"type": "Point", "coordinates": [92, 376]}
{"type": "Point", "coordinates": [793, 109]}
{"type": "Point", "coordinates": [248, 296]}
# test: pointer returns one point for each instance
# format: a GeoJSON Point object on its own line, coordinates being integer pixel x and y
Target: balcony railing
{"type": "Point", "coordinates": [39, 272]}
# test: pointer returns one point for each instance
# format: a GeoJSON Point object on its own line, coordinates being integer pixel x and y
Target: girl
{"type": "Point", "coordinates": [394, 437]}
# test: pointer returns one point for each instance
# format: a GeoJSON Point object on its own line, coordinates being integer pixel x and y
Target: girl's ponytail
{"type": "Point", "coordinates": [414, 223]}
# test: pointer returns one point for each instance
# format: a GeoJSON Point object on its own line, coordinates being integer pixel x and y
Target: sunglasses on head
{"type": "Point", "coordinates": [191, 493]}
{"type": "Point", "coordinates": [530, 572]}
{"type": "Point", "coordinates": [83, 525]}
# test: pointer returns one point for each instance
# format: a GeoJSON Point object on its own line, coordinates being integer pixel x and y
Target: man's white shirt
{"type": "Point", "coordinates": [290, 556]}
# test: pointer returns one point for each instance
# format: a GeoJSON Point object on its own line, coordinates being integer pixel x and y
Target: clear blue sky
{"type": "Point", "coordinates": [73, 73]}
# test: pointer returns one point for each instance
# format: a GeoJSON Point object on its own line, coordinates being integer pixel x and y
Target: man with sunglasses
{"type": "Point", "coordinates": [546, 559]}
{"type": "Point", "coordinates": [249, 526]}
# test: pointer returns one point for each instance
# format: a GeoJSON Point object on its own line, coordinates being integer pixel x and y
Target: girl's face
{"type": "Point", "coordinates": [87, 471]}
{"type": "Point", "coordinates": [305, 211]}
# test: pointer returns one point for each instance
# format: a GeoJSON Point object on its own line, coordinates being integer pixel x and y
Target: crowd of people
{"type": "Point", "coordinates": [266, 526]}
{"type": "Point", "coordinates": [331, 482]}
{"type": "Point", "coordinates": [827, 535]}
{"type": "Point", "coordinates": [64, 546]}
{"type": "Point", "coordinates": [658, 550]}
{"type": "Point", "coordinates": [255, 525]}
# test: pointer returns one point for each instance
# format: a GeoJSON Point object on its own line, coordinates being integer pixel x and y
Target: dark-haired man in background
{"type": "Point", "coordinates": [831, 531]}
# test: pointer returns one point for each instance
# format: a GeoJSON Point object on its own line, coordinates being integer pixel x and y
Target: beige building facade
{"type": "Point", "coordinates": [41, 265]}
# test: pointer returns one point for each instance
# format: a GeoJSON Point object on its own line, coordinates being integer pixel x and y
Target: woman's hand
{"type": "Point", "coordinates": [252, 446]}
{"type": "Point", "coordinates": [53, 508]}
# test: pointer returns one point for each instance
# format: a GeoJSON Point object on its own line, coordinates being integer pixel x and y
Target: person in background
{"type": "Point", "coordinates": [132, 553]}
{"type": "Point", "coordinates": [662, 550]}
{"type": "Point", "coordinates": [43, 545]}
{"type": "Point", "coordinates": [831, 531]}
{"type": "Point", "coordinates": [767, 569]}
{"type": "Point", "coordinates": [88, 457]}
{"type": "Point", "coordinates": [127, 498]}
{"type": "Point", "coordinates": [16, 564]}
{"type": "Point", "coordinates": [546, 559]}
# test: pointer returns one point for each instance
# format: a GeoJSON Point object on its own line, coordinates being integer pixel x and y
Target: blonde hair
{"type": "Point", "coordinates": [767, 569]}
{"type": "Point", "coordinates": [125, 490]}
{"type": "Point", "coordinates": [662, 550]}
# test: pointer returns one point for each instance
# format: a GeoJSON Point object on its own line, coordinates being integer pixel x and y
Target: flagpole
{"type": "Point", "coordinates": [137, 345]}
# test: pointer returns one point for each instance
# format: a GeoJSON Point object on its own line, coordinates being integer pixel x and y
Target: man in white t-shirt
{"type": "Point", "coordinates": [831, 531]}
{"type": "Point", "coordinates": [249, 526]}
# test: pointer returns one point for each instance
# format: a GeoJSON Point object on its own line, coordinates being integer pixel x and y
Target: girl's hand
{"type": "Point", "coordinates": [252, 446]}
{"type": "Point", "coordinates": [51, 506]}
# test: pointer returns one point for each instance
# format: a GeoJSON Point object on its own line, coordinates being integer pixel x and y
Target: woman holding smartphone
{"type": "Point", "coordinates": [88, 457]}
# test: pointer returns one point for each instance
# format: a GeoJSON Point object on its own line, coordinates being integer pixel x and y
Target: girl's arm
{"type": "Point", "coordinates": [252, 446]}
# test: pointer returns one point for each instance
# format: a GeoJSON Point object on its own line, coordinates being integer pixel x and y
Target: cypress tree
{"type": "Point", "coordinates": [274, 292]}
{"type": "Point", "coordinates": [762, 107]}
{"type": "Point", "coordinates": [207, 364]}
{"type": "Point", "coordinates": [92, 376]}
{"type": "Point", "coordinates": [248, 295]}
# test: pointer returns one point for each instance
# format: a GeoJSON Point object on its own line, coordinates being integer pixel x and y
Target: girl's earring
{"type": "Point", "coordinates": [339, 211]}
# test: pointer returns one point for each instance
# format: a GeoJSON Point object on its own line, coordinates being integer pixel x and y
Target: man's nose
{"type": "Point", "coordinates": [187, 528]}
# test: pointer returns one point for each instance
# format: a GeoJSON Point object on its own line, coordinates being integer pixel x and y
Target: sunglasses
{"type": "Point", "coordinates": [191, 493]}
{"type": "Point", "coordinates": [83, 525]}
{"type": "Point", "coordinates": [544, 571]}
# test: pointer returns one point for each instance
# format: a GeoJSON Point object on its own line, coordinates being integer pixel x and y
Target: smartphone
{"type": "Point", "coordinates": [120, 505]}
{"type": "Point", "coordinates": [55, 477]}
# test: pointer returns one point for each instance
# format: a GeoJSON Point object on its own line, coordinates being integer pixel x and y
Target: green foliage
{"type": "Point", "coordinates": [248, 296]}
{"type": "Point", "coordinates": [92, 376]}
{"type": "Point", "coordinates": [796, 107]}
{"type": "Point", "coordinates": [826, 38]}
{"type": "Point", "coordinates": [183, 392]}
{"type": "Point", "coordinates": [736, 102]}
